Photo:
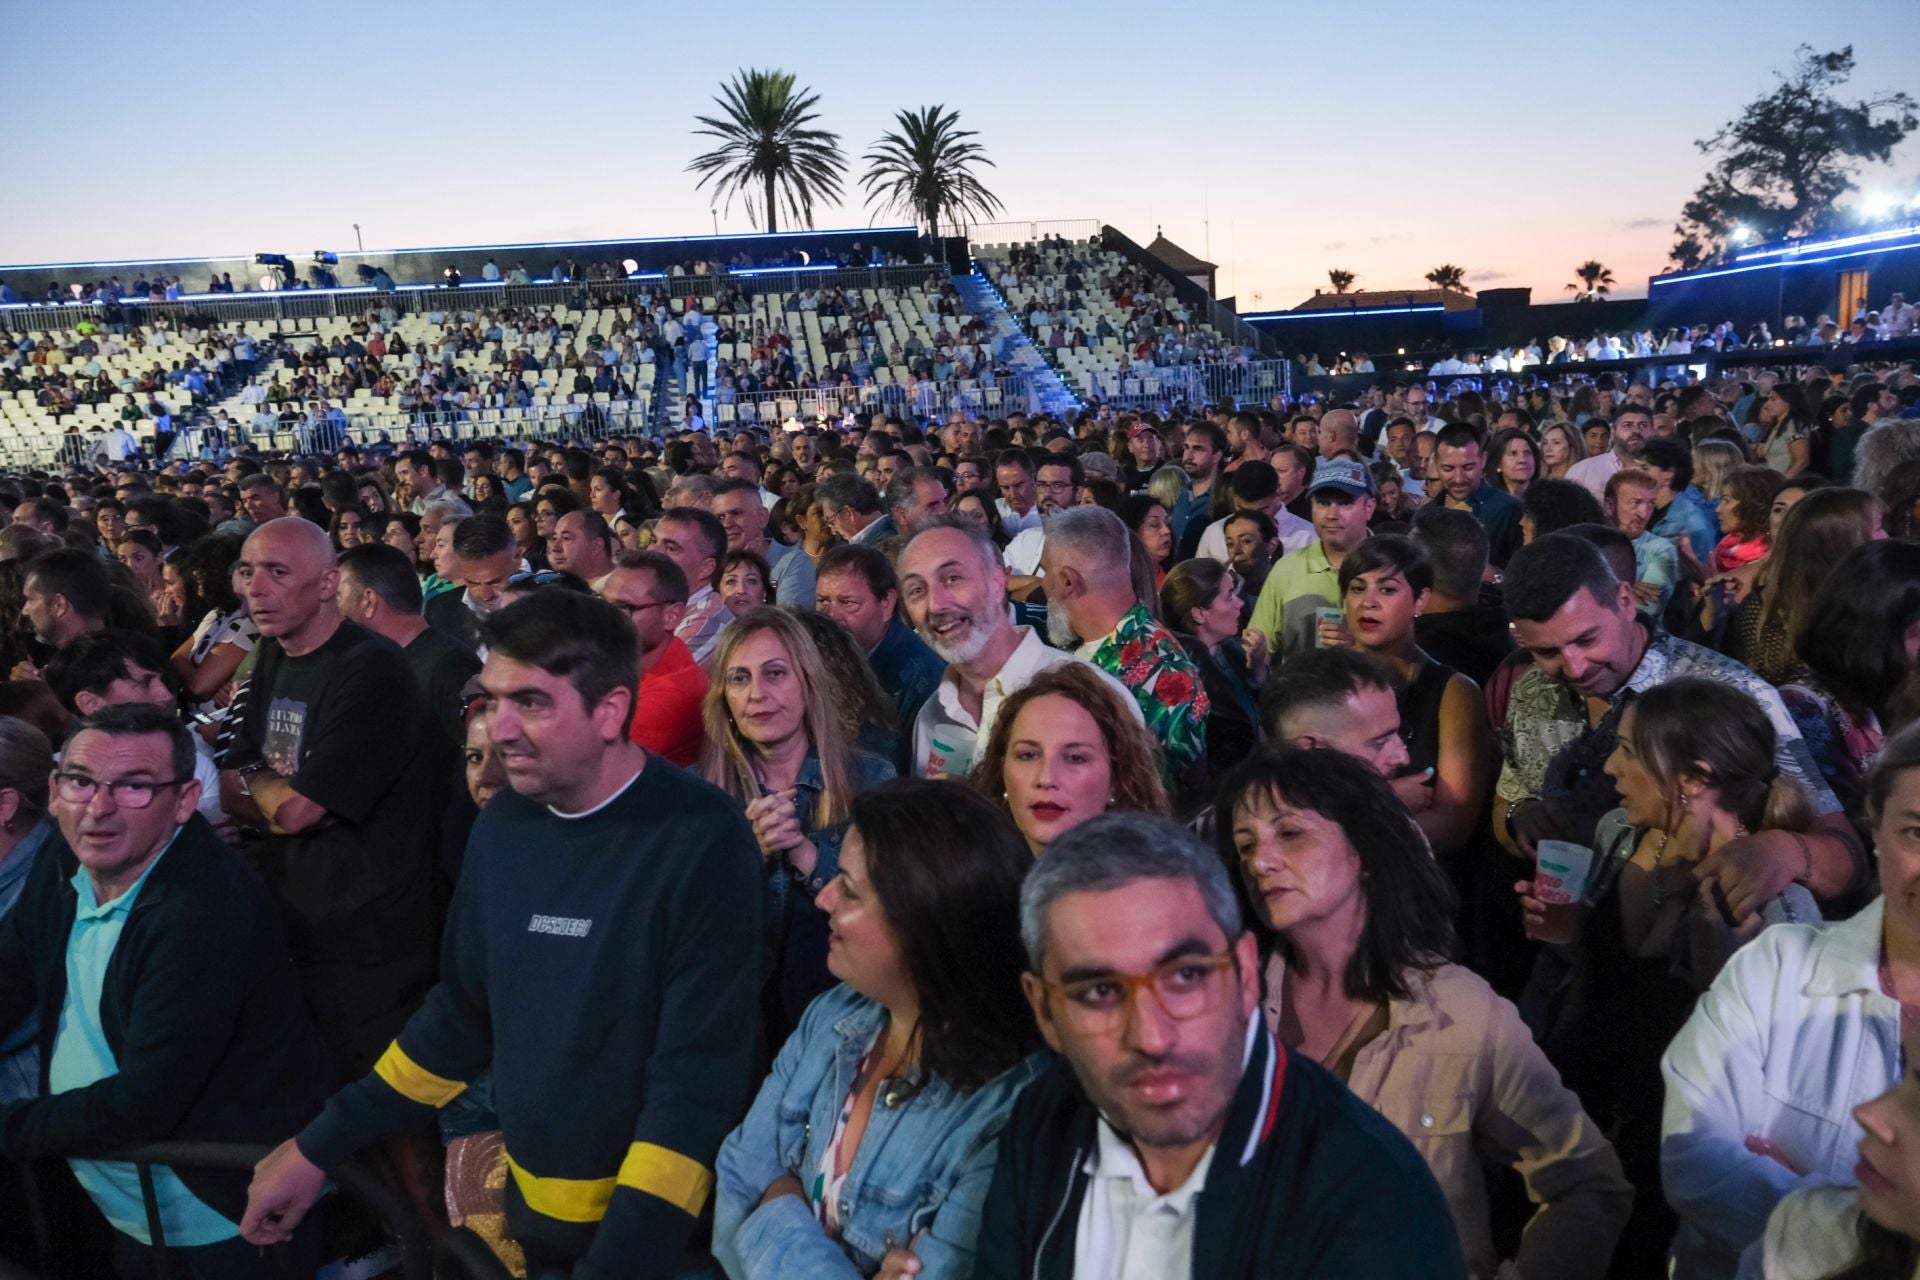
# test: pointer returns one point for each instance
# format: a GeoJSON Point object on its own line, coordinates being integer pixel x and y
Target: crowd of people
{"type": "Point", "coordinates": [1414, 837]}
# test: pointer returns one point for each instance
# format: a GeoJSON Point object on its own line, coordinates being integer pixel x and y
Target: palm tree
{"type": "Point", "coordinates": [1448, 278]}
{"type": "Point", "coordinates": [768, 153]}
{"type": "Point", "coordinates": [924, 169]}
{"type": "Point", "coordinates": [1342, 280]}
{"type": "Point", "coordinates": [1594, 280]}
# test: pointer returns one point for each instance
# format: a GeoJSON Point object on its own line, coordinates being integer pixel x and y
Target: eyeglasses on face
{"type": "Point", "coordinates": [127, 793]}
{"type": "Point", "coordinates": [1185, 987]}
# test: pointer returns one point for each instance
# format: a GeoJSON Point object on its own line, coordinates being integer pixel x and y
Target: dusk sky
{"type": "Point", "coordinates": [1516, 140]}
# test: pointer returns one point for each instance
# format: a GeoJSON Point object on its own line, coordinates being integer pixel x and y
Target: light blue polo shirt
{"type": "Point", "coordinates": [81, 1057]}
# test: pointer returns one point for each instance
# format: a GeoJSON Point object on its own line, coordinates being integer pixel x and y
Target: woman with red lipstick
{"type": "Point", "coordinates": [1064, 749]}
{"type": "Point", "coordinates": [1764, 1082]}
{"type": "Point", "coordinates": [1384, 583]}
{"type": "Point", "coordinates": [775, 742]}
{"type": "Point", "coordinates": [1356, 920]}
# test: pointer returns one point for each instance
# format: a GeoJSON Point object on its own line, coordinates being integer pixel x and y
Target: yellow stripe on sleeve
{"type": "Point", "coordinates": [413, 1081]}
{"type": "Point", "coordinates": [682, 1182]}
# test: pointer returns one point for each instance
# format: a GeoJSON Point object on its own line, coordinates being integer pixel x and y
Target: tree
{"type": "Point", "coordinates": [925, 169]}
{"type": "Point", "coordinates": [1342, 280]}
{"type": "Point", "coordinates": [1448, 278]}
{"type": "Point", "coordinates": [1595, 279]}
{"type": "Point", "coordinates": [1786, 160]}
{"type": "Point", "coordinates": [769, 153]}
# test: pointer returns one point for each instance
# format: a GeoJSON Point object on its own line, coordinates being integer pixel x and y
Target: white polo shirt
{"type": "Point", "coordinates": [1295, 533]}
{"type": "Point", "coordinates": [946, 738]}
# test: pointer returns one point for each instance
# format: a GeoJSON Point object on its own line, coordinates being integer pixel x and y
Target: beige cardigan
{"type": "Point", "coordinates": [1457, 1072]}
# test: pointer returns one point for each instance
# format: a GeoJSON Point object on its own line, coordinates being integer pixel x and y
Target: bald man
{"type": "Point", "coordinates": [337, 779]}
{"type": "Point", "coordinates": [1340, 433]}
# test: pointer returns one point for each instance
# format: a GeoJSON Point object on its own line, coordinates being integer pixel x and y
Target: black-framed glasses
{"type": "Point", "coordinates": [634, 610]}
{"type": "Point", "coordinates": [127, 793]}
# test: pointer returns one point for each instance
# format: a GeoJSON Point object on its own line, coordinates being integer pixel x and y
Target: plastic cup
{"type": "Point", "coordinates": [1328, 616]}
{"type": "Point", "coordinates": [1560, 871]}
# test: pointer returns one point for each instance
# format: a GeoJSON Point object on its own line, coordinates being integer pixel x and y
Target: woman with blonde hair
{"type": "Point", "coordinates": [1560, 447]}
{"type": "Point", "coordinates": [777, 744]}
{"type": "Point", "coordinates": [1713, 462]}
{"type": "Point", "coordinates": [1065, 749]}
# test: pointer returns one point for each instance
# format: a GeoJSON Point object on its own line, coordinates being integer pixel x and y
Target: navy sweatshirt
{"type": "Point", "coordinates": [607, 968]}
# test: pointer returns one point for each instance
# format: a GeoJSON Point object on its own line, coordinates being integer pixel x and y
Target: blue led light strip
{"type": "Point", "coordinates": [1771, 266]}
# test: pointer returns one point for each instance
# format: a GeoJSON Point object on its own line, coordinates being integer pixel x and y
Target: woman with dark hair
{"type": "Point", "coordinates": [1098, 491]}
{"type": "Point", "coordinates": [1064, 748]}
{"type": "Point", "coordinates": [526, 540]}
{"type": "Point", "coordinates": [867, 714]}
{"type": "Point", "coordinates": [549, 504]}
{"type": "Point", "coordinates": [1514, 462]}
{"type": "Point", "coordinates": [1201, 601]}
{"type": "Point", "coordinates": [17, 642]}
{"type": "Point", "coordinates": [983, 511]}
{"type": "Point", "coordinates": [877, 1129]}
{"type": "Point", "coordinates": [1384, 584]}
{"type": "Point", "coordinates": [307, 504]}
{"type": "Point", "coordinates": [397, 529]}
{"type": "Point", "coordinates": [1355, 920]}
{"type": "Point", "coordinates": [1765, 1081]}
{"type": "Point", "coordinates": [1817, 534]}
{"type": "Point", "coordinates": [1746, 516]}
{"type": "Point", "coordinates": [489, 498]}
{"type": "Point", "coordinates": [349, 527]}
{"type": "Point", "coordinates": [223, 634]}
{"type": "Point", "coordinates": [1694, 767]}
{"type": "Point", "coordinates": [1785, 424]}
{"type": "Point", "coordinates": [611, 496]}
{"type": "Point", "coordinates": [1146, 516]}
{"type": "Point", "coordinates": [1552, 505]}
{"type": "Point", "coordinates": [1856, 683]}
{"type": "Point", "coordinates": [744, 575]}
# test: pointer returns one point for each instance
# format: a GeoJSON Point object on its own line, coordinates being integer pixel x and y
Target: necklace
{"type": "Point", "coordinates": [1659, 852]}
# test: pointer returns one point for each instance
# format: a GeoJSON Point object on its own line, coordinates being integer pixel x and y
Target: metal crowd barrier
{"type": "Point", "coordinates": [396, 1215]}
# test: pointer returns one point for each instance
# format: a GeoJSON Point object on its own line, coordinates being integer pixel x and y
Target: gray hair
{"type": "Point", "coordinates": [981, 540]}
{"type": "Point", "coordinates": [900, 492]}
{"type": "Point", "coordinates": [1112, 851]}
{"type": "Point", "coordinates": [1094, 540]}
{"type": "Point", "coordinates": [451, 511]}
{"type": "Point", "coordinates": [1885, 446]}
{"type": "Point", "coordinates": [693, 484]}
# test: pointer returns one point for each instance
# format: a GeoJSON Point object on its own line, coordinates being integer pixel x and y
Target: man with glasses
{"type": "Point", "coordinates": [651, 590]}
{"type": "Point", "coordinates": [851, 508]}
{"type": "Point", "coordinates": [1419, 405]}
{"type": "Point", "coordinates": [178, 1021]}
{"type": "Point", "coordinates": [1177, 1138]}
{"type": "Point", "coordinates": [1057, 483]}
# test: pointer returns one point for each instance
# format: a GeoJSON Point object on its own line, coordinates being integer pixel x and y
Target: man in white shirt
{"type": "Point", "coordinates": [1057, 482]}
{"type": "Point", "coordinates": [1018, 502]}
{"type": "Point", "coordinates": [1632, 428]}
{"type": "Point", "coordinates": [955, 591]}
{"type": "Point", "coordinates": [1256, 487]}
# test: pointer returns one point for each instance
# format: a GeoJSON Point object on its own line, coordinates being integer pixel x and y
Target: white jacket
{"type": "Point", "coordinates": [1791, 1036]}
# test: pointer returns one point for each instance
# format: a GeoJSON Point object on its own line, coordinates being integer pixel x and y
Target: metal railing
{"type": "Point", "coordinates": [350, 303]}
{"type": "Point", "coordinates": [975, 398]}
{"type": "Point", "coordinates": [396, 1214]}
{"type": "Point", "coordinates": [1016, 232]}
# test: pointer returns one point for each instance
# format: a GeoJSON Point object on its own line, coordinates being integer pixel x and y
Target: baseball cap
{"type": "Point", "coordinates": [1100, 464]}
{"type": "Point", "coordinates": [1342, 475]}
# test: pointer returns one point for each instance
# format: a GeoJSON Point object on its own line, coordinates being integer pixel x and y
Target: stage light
{"type": "Point", "coordinates": [1742, 234]}
{"type": "Point", "coordinates": [1876, 206]}
{"type": "Point", "coordinates": [631, 266]}
{"type": "Point", "coordinates": [322, 258]}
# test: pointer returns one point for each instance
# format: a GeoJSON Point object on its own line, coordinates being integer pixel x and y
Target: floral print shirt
{"type": "Point", "coordinates": [1149, 660]}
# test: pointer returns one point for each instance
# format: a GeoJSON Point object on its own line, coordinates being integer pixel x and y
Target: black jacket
{"type": "Point", "coordinates": [448, 614]}
{"type": "Point", "coordinates": [199, 1006]}
{"type": "Point", "coordinates": [1306, 1181]}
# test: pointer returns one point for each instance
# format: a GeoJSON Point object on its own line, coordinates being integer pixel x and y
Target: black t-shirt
{"type": "Point", "coordinates": [346, 726]}
{"type": "Point", "coordinates": [441, 668]}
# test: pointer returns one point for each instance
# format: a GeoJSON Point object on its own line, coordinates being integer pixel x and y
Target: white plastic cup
{"type": "Point", "coordinates": [1329, 616]}
{"type": "Point", "coordinates": [1560, 872]}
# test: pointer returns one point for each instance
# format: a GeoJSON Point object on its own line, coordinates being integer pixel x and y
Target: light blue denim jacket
{"type": "Point", "coordinates": [922, 1167]}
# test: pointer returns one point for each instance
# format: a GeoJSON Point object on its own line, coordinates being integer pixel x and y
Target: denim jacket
{"type": "Point", "coordinates": [921, 1170]}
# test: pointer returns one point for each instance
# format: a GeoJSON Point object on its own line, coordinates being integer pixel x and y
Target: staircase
{"type": "Point", "coordinates": [1010, 339]}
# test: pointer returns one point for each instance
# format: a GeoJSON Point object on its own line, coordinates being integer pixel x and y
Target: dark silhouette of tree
{"type": "Point", "coordinates": [1786, 160]}
{"type": "Point", "coordinates": [1448, 278]}
{"type": "Point", "coordinates": [1593, 280]}
{"type": "Point", "coordinates": [924, 168]}
{"type": "Point", "coordinates": [769, 153]}
{"type": "Point", "coordinates": [1342, 280]}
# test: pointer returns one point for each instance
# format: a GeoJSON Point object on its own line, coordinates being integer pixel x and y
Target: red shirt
{"type": "Point", "coordinates": [666, 719]}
